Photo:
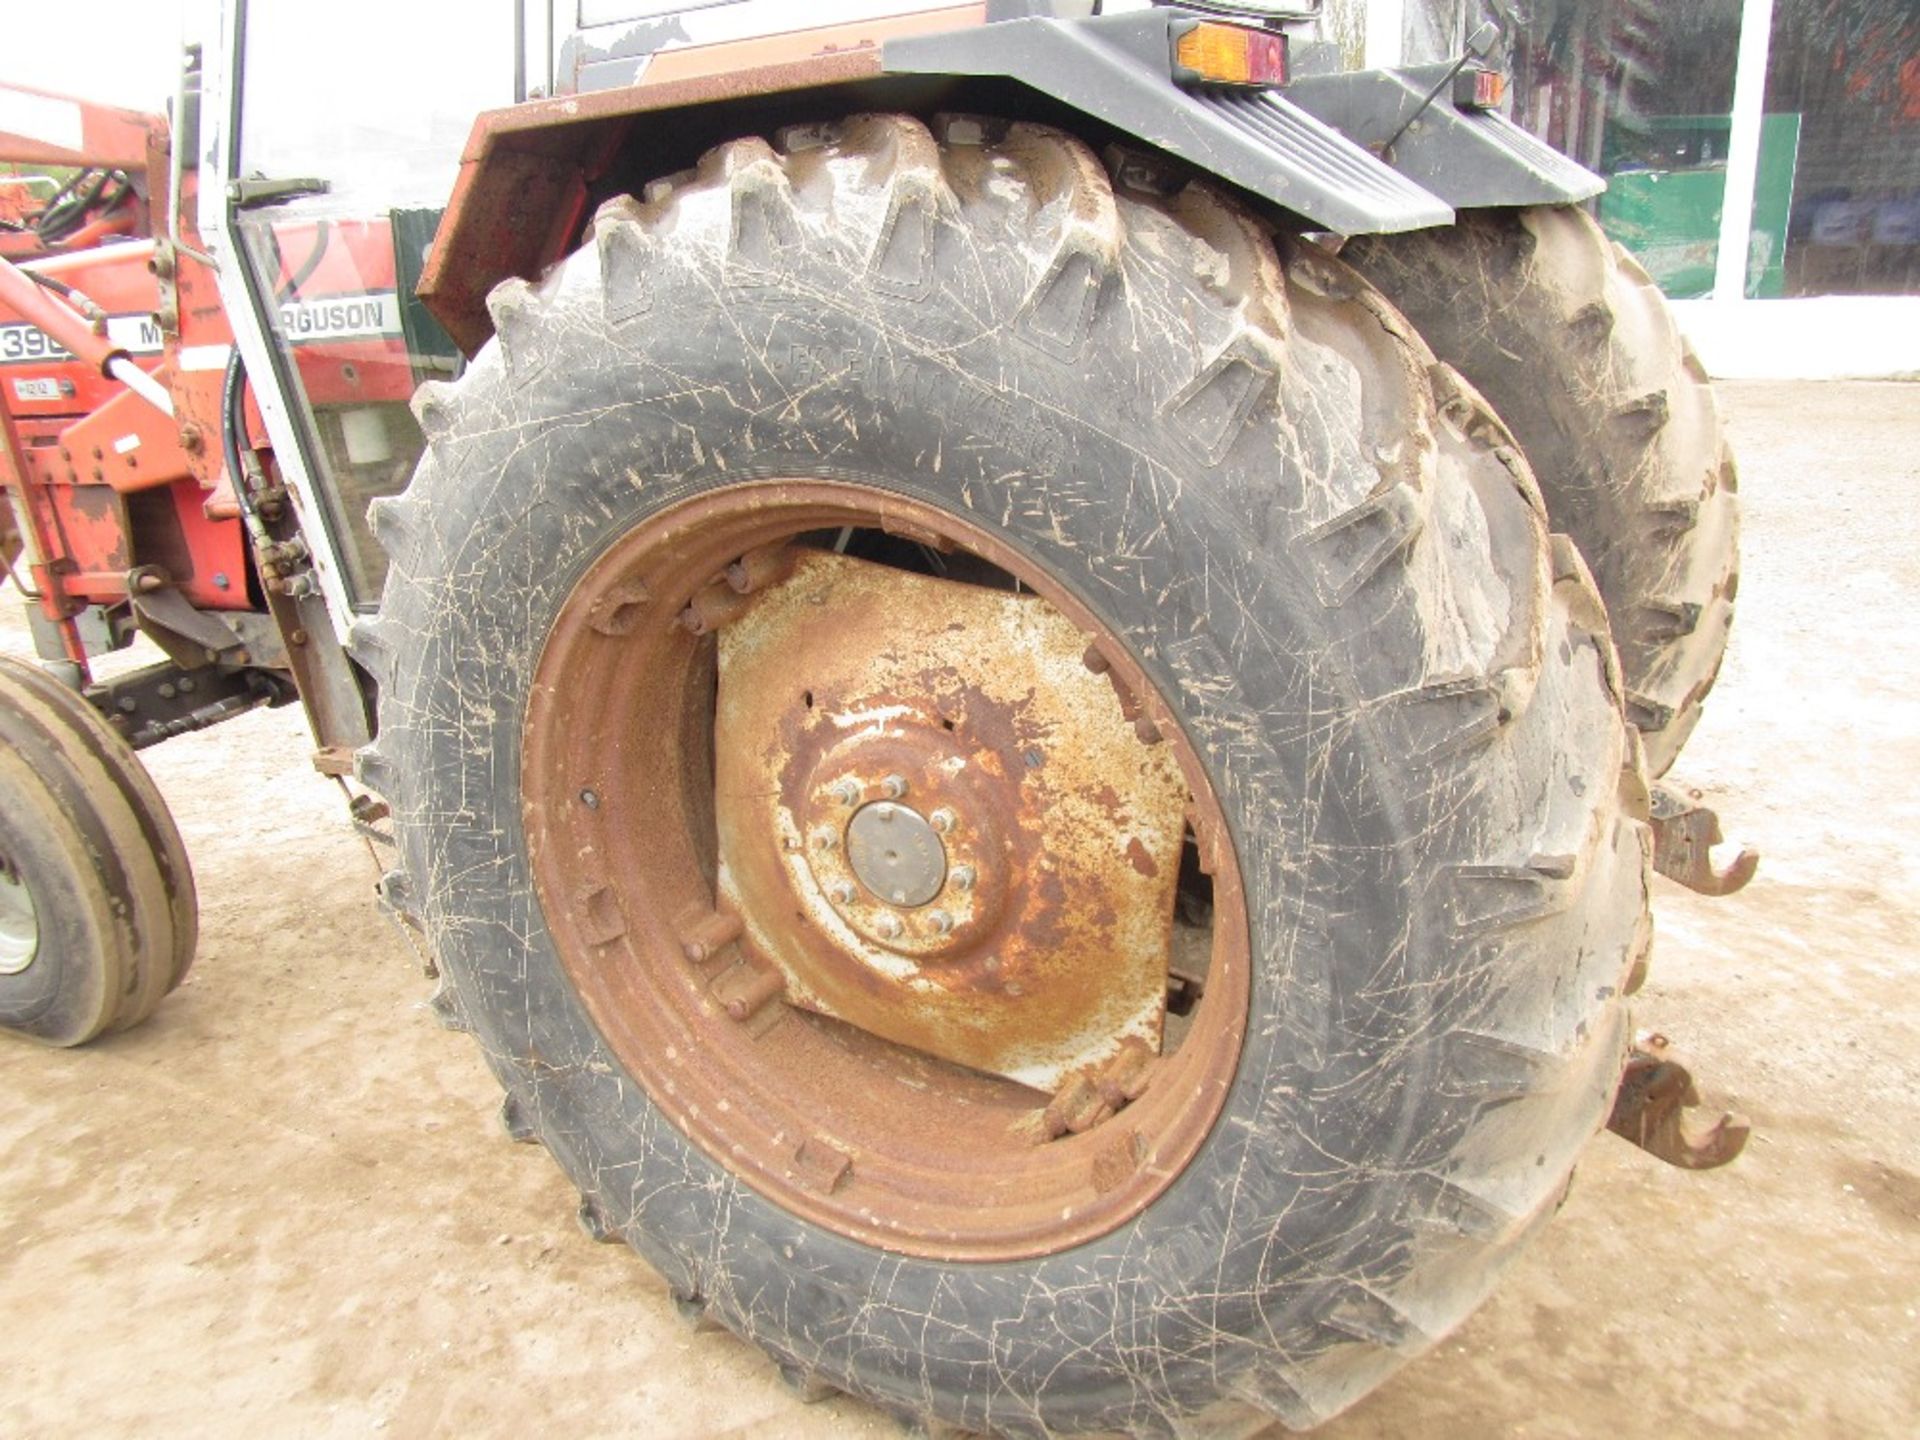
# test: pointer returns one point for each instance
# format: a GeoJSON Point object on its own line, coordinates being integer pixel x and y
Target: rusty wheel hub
{"type": "Point", "coordinates": [869, 876]}
{"type": "Point", "coordinates": [977, 853]}
{"type": "Point", "coordinates": [916, 869]}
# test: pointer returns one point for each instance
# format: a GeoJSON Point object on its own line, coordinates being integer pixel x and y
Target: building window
{"type": "Point", "coordinates": [1845, 74]}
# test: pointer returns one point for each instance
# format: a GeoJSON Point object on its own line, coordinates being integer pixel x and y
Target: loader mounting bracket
{"type": "Point", "coordinates": [156, 703]}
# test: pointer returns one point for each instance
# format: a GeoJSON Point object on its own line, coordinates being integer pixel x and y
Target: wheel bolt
{"type": "Point", "coordinates": [842, 893]}
{"type": "Point", "coordinates": [941, 921]}
{"type": "Point", "coordinates": [941, 820]}
{"type": "Point", "coordinates": [894, 786]}
{"type": "Point", "coordinates": [962, 877]}
{"type": "Point", "coordinates": [825, 839]}
{"type": "Point", "coordinates": [847, 792]}
{"type": "Point", "coordinates": [889, 927]}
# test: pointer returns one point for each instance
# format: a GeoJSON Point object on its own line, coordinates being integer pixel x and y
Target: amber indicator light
{"type": "Point", "coordinates": [1211, 54]}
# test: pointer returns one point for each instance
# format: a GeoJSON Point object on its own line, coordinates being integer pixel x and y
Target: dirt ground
{"type": "Point", "coordinates": [286, 1206]}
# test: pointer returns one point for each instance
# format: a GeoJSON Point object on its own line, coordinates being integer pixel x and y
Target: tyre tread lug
{"type": "Point", "coordinates": [1351, 548]}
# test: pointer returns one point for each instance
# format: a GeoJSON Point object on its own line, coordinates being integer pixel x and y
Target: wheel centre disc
{"type": "Point", "coordinates": [937, 823]}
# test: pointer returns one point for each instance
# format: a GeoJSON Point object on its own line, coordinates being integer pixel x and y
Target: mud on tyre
{"type": "Point", "coordinates": [1323, 570]}
{"type": "Point", "coordinates": [1577, 349]}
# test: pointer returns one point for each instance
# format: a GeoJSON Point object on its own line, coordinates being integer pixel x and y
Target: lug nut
{"type": "Point", "coordinates": [889, 927]}
{"type": "Point", "coordinates": [847, 792]}
{"type": "Point", "coordinates": [894, 786]}
{"type": "Point", "coordinates": [962, 877]}
{"type": "Point", "coordinates": [824, 839]}
{"type": "Point", "coordinates": [941, 921]}
{"type": "Point", "coordinates": [841, 894]}
{"type": "Point", "coordinates": [941, 820]}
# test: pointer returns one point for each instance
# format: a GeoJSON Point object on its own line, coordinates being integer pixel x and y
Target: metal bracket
{"type": "Point", "coordinates": [367, 811]}
{"type": "Point", "coordinates": [1684, 834]}
{"type": "Point", "coordinates": [161, 701]}
{"type": "Point", "coordinates": [1658, 1109]}
{"type": "Point", "coordinates": [258, 190]}
{"type": "Point", "coordinates": [192, 639]}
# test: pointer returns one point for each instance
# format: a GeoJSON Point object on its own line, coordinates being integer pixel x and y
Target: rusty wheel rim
{"type": "Point", "coordinates": [868, 1137]}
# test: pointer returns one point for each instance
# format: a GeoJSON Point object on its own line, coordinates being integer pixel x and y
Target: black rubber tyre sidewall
{"type": "Point", "coordinates": [142, 797]}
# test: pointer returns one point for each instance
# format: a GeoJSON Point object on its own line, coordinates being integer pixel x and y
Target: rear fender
{"type": "Point", "coordinates": [1471, 159]}
{"type": "Point", "coordinates": [531, 171]}
{"type": "Point", "coordinates": [1369, 152]}
{"type": "Point", "coordinates": [1116, 69]}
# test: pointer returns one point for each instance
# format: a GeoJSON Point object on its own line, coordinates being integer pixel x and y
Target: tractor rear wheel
{"type": "Point", "coordinates": [98, 915]}
{"type": "Point", "coordinates": [1577, 349]}
{"type": "Point", "coordinates": [1005, 771]}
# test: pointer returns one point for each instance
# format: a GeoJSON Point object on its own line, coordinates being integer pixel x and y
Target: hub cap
{"type": "Point", "coordinates": [896, 854]}
{"type": "Point", "coordinates": [19, 924]}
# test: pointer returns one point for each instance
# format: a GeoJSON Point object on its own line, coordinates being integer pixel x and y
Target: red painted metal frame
{"type": "Point", "coordinates": [119, 280]}
{"type": "Point", "coordinates": [86, 450]}
{"type": "Point", "coordinates": [111, 138]}
{"type": "Point", "coordinates": [51, 313]}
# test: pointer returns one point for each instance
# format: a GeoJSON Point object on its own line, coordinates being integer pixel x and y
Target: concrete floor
{"type": "Point", "coordinates": [285, 1206]}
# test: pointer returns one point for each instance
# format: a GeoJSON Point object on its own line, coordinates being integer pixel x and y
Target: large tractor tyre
{"type": "Point", "coordinates": [1575, 347]}
{"type": "Point", "coordinates": [97, 906]}
{"type": "Point", "coordinates": [889, 505]}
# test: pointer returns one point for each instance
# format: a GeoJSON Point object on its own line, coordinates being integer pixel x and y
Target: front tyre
{"type": "Point", "coordinates": [1352, 725]}
{"type": "Point", "coordinates": [98, 912]}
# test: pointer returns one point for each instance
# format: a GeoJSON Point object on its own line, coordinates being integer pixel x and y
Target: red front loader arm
{"type": "Point", "coordinates": [109, 146]}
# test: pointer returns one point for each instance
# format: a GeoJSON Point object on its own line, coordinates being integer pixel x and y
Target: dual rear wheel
{"type": "Point", "coordinates": [1006, 771]}
{"type": "Point", "coordinates": [1575, 346]}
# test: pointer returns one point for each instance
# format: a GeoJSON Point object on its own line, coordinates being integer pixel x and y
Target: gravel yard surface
{"type": "Point", "coordinates": [286, 1205]}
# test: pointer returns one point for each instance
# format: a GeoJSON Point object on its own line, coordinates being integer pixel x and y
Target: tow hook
{"type": "Point", "coordinates": [1658, 1108]}
{"type": "Point", "coordinates": [1684, 834]}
